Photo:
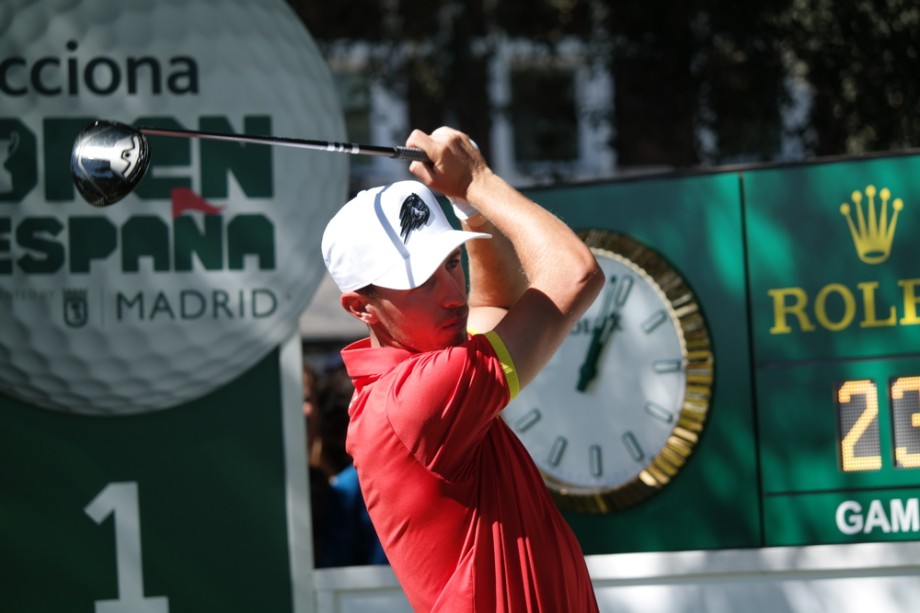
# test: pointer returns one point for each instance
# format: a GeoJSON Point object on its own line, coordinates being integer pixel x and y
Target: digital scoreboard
{"type": "Point", "coordinates": [835, 292]}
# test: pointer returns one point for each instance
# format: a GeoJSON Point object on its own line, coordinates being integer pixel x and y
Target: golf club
{"type": "Point", "coordinates": [110, 158]}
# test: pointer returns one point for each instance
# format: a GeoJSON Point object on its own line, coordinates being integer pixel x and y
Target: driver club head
{"type": "Point", "coordinates": [108, 160]}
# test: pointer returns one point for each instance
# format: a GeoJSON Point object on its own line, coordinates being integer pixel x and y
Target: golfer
{"type": "Point", "coordinates": [460, 508]}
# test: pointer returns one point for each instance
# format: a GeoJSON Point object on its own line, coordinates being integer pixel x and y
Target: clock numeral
{"type": "Point", "coordinates": [659, 412]}
{"type": "Point", "coordinates": [555, 454]}
{"type": "Point", "coordinates": [665, 366]}
{"type": "Point", "coordinates": [632, 446]}
{"type": "Point", "coordinates": [594, 453]}
{"type": "Point", "coordinates": [657, 318]}
{"type": "Point", "coordinates": [528, 420]}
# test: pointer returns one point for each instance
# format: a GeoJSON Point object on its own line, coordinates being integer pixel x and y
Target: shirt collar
{"type": "Point", "coordinates": [362, 361]}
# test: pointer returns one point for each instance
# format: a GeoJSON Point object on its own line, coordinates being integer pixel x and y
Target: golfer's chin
{"type": "Point", "coordinates": [456, 332]}
{"type": "Point", "coordinates": [459, 339]}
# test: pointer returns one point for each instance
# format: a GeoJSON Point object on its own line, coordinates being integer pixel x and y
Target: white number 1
{"type": "Point", "coordinates": [120, 501]}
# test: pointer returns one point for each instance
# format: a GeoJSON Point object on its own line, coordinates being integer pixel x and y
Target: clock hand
{"type": "Point", "coordinates": [588, 370]}
{"type": "Point", "coordinates": [604, 325]}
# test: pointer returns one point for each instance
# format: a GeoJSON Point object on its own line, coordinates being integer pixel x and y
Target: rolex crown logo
{"type": "Point", "coordinates": [872, 231]}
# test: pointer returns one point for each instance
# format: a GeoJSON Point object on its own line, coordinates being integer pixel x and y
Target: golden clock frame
{"type": "Point", "coordinates": [697, 353]}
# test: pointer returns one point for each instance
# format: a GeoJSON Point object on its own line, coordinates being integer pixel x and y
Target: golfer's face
{"type": "Point", "coordinates": [431, 316]}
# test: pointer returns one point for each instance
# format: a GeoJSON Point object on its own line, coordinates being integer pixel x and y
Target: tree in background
{"type": "Point", "coordinates": [699, 82]}
{"type": "Point", "coordinates": [861, 60]}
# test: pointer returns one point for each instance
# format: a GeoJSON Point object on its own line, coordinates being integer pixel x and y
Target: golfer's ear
{"type": "Point", "coordinates": [357, 306]}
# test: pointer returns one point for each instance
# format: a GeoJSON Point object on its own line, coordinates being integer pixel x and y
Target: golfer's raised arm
{"type": "Point", "coordinates": [562, 276]}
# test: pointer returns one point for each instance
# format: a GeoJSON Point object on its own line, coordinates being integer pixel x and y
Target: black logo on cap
{"type": "Point", "coordinates": [412, 215]}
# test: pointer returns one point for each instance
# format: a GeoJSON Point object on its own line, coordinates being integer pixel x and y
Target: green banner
{"type": "Point", "coordinates": [179, 510]}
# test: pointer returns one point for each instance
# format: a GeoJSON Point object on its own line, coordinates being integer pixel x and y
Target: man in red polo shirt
{"type": "Point", "coordinates": [461, 510]}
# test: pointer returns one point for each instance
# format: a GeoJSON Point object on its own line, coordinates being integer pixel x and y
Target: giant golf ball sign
{"type": "Point", "coordinates": [206, 267]}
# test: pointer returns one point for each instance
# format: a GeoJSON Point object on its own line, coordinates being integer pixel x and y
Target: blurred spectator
{"type": "Point", "coordinates": [343, 533]}
{"type": "Point", "coordinates": [319, 480]}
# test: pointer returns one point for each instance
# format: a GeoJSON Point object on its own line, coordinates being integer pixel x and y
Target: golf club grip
{"type": "Point", "coordinates": [409, 153]}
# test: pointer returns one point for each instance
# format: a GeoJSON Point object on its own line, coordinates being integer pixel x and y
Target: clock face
{"type": "Point", "coordinates": [618, 409]}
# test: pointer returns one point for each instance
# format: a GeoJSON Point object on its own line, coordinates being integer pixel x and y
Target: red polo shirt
{"type": "Point", "coordinates": [461, 510]}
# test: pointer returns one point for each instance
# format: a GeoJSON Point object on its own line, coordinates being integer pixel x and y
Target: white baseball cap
{"type": "Point", "coordinates": [393, 236]}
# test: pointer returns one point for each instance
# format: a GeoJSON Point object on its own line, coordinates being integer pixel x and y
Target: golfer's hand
{"type": "Point", "coordinates": [455, 161]}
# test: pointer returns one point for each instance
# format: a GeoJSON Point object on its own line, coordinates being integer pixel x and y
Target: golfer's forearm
{"type": "Point", "coordinates": [496, 276]}
{"type": "Point", "coordinates": [552, 258]}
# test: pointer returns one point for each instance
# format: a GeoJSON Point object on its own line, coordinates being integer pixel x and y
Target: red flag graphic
{"type": "Point", "coordinates": [184, 199]}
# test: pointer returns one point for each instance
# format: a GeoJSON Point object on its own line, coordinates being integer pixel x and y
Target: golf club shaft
{"type": "Point", "coordinates": [399, 153]}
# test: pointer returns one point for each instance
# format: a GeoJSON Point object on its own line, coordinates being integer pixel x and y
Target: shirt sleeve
{"type": "Point", "coordinates": [444, 402]}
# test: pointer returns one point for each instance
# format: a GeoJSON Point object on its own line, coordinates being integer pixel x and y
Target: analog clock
{"type": "Point", "coordinates": [618, 410]}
